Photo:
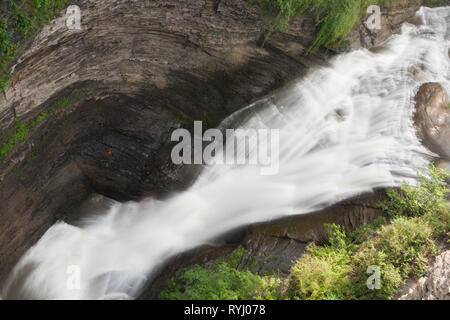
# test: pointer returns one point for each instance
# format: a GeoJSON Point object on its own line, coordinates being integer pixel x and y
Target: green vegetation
{"type": "Point", "coordinates": [400, 248]}
{"type": "Point", "coordinates": [419, 200]}
{"type": "Point", "coordinates": [425, 200]}
{"type": "Point", "coordinates": [335, 18]}
{"type": "Point", "coordinates": [18, 20]}
{"type": "Point", "coordinates": [447, 106]}
{"type": "Point", "coordinates": [221, 281]}
{"type": "Point", "coordinates": [323, 273]}
{"type": "Point", "coordinates": [22, 130]}
{"type": "Point", "coordinates": [399, 245]}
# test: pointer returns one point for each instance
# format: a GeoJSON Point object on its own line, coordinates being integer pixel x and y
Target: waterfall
{"type": "Point", "coordinates": [344, 129]}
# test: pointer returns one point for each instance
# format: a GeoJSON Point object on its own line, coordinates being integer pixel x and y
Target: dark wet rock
{"type": "Point", "coordinates": [310, 227]}
{"type": "Point", "coordinates": [267, 253]}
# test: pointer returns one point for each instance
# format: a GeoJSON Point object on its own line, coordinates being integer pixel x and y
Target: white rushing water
{"type": "Point", "coordinates": [345, 129]}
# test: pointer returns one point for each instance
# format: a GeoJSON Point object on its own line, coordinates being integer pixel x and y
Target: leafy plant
{"type": "Point", "coordinates": [324, 272]}
{"type": "Point", "coordinates": [425, 199]}
{"type": "Point", "coordinates": [400, 250]}
{"type": "Point", "coordinates": [221, 280]}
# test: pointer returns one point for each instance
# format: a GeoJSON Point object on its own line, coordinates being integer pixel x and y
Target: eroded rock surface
{"type": "Point", "coordinates": [432, 118]}
{"type": "Point", "coordinates": [435, 285]}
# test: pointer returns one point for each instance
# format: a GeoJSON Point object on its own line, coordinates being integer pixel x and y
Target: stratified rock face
{"type": "Point", "coordinates": [435, 285]}
{"type": "Point", "coordinates": [432, 118]}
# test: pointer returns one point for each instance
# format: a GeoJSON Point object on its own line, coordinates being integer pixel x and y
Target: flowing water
{"type": "Point", "coordinates": [345, 129]}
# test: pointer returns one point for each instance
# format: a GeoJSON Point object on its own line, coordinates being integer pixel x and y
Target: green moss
{"type": "Point", "coordinates": [22, 130]}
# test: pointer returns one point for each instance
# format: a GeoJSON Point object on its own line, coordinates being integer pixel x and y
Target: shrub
{"type": "Point", "coordinates": [221, 281]}
{"type": "Point", "coordinates": [390, 276]}
{"type": "Point", "coordinates": [425, 199]}
{"type": "Point", "coordinates": [400, 250]}
{"type": "Point", "coordinates": [339, 270]}
{"type": "Point", "coordinates": [407, 243]}
{"type": "Point", "coordinates": [324, 272]}
{"type": "Point", "coordinates": [366, 232]}
{"type": "Point", "coordinates": [439, 220]}
{"type": "Point", "coordinates": [321, 274]}
{"type": "Point", "coordinates": [20, 21]}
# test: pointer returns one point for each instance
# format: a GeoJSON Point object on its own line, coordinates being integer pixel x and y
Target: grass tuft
{"type": "Point", "coordinates": [335, 18]}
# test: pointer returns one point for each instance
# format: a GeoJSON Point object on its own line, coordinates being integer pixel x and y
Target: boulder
{"type": "Point", "coordinates": [432, 118]}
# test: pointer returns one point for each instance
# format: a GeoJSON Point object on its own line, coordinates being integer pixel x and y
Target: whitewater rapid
{"type": "Point", "coordinates": [345, 128]}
